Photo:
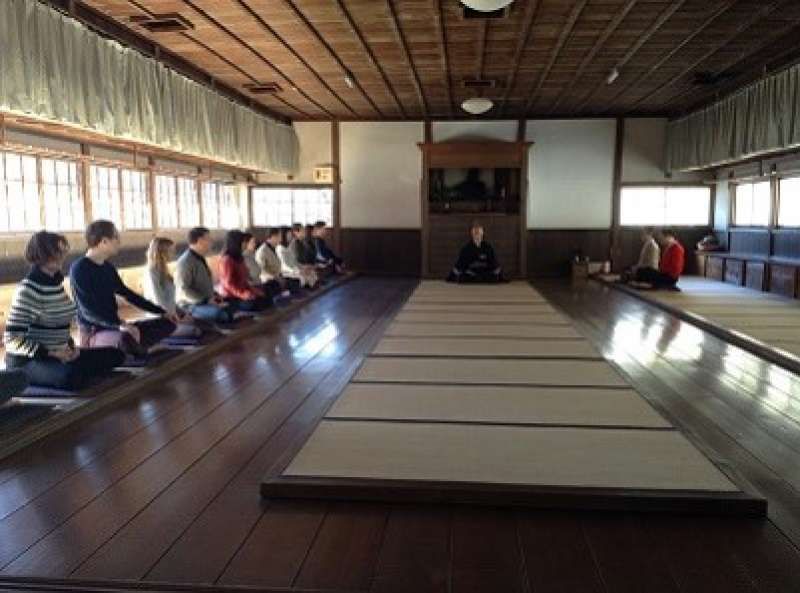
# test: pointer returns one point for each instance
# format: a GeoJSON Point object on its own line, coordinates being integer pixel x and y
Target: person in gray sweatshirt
{"type": "Point", "coordinates": [195, 284]}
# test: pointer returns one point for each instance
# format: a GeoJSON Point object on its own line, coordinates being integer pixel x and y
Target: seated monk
{"type": "Point", "coordinates": [476, 261]}
{"type": "Point", "coordinates": [670, 267]}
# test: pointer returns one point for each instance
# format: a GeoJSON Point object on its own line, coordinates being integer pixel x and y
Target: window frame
{"type": "Point", "coordinates": [296, 187]}
{"type": "Point", "coordinates": [733, 188]}
{"type": "Point", "coordinates": [665, 187]}
{"type": "Point", "coordinates": [776, 188]}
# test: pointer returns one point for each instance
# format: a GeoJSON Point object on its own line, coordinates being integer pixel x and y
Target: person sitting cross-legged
{"type": "Point", "coordinates": [37, 334]}
{"type": "Point", "coordinates": [325, 255]}
{"type": "Point", "coordinates": [235, 279]}
{"type": "Point", "coordinates": [159, 286]}
{"type": "Point", "coordinates": [294, 259]}
{"type": "Point", "coordinates": [96, 284]}
{"type": "Point", "coordinates": [12, 384]}
{"type": "Point", "coordinates": [670, 266]}
{"type": "Point", "coordinates": [476, 261]}
{"type": "Point", "coordinates": [269, 263]}
{"type": "Point", "coordinates": [194, 283]}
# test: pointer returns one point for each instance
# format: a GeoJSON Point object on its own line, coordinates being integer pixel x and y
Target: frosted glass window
{"type": "Point", "coordinates": [753, 204]}
{"type": "Point", "coordinates": [789, 208]}
{"type": "Point", "coordinates": [665, 206]}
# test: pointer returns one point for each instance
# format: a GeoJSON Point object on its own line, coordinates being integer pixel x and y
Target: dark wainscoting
{"type": "Point", "coordinates": [786, 243]}
{"type": "Point", "coordinates": [382, 252]}
{"type": "Point", "coordinates": [550, 251]}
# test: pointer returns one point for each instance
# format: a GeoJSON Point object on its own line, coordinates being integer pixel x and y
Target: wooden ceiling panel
{"type": "Point", "coordinates": [409, 58]}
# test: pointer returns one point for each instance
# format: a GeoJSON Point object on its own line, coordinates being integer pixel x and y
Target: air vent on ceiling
{"type": "Point", "coordinates": [163, 23]}
{"type": "Point", "coordinates": [705, 78]}
{"type": "Point", "coordinates": [470, 13]}
{"type": "Point", "coordinates": [478, 83]}
{"type": "Point", "coordinates": [263, 88]}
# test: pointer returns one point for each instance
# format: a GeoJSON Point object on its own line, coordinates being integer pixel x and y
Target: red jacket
{"type": "Point", "coordinates": [672, 260]}
{"type": "Point", "coordinates": [235, 280]}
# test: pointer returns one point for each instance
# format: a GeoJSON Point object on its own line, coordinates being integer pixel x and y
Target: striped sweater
{"type": "Point", "coordinates": [40, 317]}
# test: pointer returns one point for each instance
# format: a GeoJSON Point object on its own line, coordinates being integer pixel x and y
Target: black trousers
{"type": "Point", "coordinates": [656, 278]}
{"type": "Point", "coordinates": [50, 372]}
{"type": "Point", "coordinates": [476, 277]}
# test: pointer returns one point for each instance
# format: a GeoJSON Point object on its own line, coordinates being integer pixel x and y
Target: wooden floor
{"type": "Point", "coordinates": [165, 488]}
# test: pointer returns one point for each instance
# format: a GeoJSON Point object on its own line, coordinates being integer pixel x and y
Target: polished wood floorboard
{"type": "Point", "coordinates": [164, 488]}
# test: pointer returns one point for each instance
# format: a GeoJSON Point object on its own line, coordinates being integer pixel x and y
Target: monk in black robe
{"type": "Point", "coordinates": [476, 261]}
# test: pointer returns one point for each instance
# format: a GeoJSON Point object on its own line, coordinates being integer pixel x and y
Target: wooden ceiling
{"type": "Point", "coordinates": [408, 58]}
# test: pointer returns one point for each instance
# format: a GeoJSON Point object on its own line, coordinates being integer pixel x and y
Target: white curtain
{"type": "Point", "coordinates": [53, 67]}
{"type": "Point", "coordinates": [761, 118]}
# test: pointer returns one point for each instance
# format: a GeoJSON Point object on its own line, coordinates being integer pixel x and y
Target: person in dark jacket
{"type": "Point", "coordinates": [476, 260]}
{"type": "Point", "coordinates": [325, 255]}
{"type": "Point", "coordinates": [96, 284]}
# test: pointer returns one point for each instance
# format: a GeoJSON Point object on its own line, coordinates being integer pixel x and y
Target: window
{"type": "Point", "coordinates": [135, 200]}
{"type": "Point", "coordinates": [19, 193]}
{"type": "Point", "coordinates": [188, 203]}
{"type": "Point", "coordinates": [789, 206]}
{"type": "Point", "coordinates": [167, 202]}
{"type": "Point", "coordinates": [61, 191]}
{"type": "Point", "coordinates": [752, 204]}
{"type": "Point", "coordinates": [665, 206]}
{"type": "Point", "coordinates": [210, 196]}
{"type": "Point", "coordinates": [233, 210]}
{"type": "Point", "coordinates": [105, 191]}
{"type": "Point", "coordinates": [285, 206]}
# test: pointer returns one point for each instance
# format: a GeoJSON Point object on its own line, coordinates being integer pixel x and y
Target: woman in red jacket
{"type": "Point", "coordinates": [670, 267]}
{"type": "Point", "coordinates": [235, 278]}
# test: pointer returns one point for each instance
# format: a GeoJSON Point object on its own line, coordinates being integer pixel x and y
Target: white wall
{"type": "Point", "coordinates": [315, 150]}
{"type": "Point", "coordinates": [643, 153]}
{"type": "Point", "coordinates": [444, 131]}
{"type": "Point", "coordinates": [722, 204]}
{"type": "Point", "coordinates": [570, 173]}
{"type": "Point", "coordinates": [381, 169]}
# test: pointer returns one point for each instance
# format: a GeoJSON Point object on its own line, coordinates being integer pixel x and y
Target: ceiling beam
{"type": "Point", "coordinates": [522, 41]}
{"type": "Point", "coordinates": [287, 81]}
{"type": "Point", "coordinates": [369, 53]}
{"type": "Point", "coordinates": [345, 70]}
{"type": "Point", "coordinates": [270, 31]}
{"type": "Point", "coordinates": [577, 9]}
{"type": "Point", "coordinates": [438, 16]}
{"type": "Point", "coordinates": [759, 14]}
{"type": "Point", "coordinates": [587, 59]}
{"type": "Point", "coordinates": [643, 38]}
{"type": "Point", "coordinates": [784, 38]}
{"type": "Point", "coordinates": [723, 8]}
{"type": "Point", "coordinates": [398, 32]}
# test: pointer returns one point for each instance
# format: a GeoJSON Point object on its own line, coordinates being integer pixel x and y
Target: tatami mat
{"type": "Point", "coordinates": [496, 404]}
{"type": "Point", "coordinates": [574, 457]}
{"type": "Point", "coordinates": [480, 330]}
{"type": "Point", "coordinates": [480, 310]}
{"type": "Point", "coordinates": [486, 347]}
{"type": "Point", "coordinates": [477, 371]}
{"type": "Point", "coordinates": [473, 318]}
{"type": "Point", "coordinates": [475, 299]}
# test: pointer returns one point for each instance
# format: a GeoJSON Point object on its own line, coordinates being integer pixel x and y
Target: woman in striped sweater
{"type": "Point", "coordinates": [37, 334]}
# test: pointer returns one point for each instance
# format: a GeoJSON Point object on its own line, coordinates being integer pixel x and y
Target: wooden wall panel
{"type": "Point", "coordinates": [783, 280]}
{"type": "Point", "coordinates": [755, 275]}
{"type": "Point", "coordinates": [734, 272]}
{"type": "Point", "coordinates": [786, 243]}
{"type": "Point", "coordinates": [749, 241]}
{"type": "Point", "coordinates": [715, 268]}
{"type": "Point", "coordinates": [550, 252]}
{"type": "Point", "coordinates": [383, 252]}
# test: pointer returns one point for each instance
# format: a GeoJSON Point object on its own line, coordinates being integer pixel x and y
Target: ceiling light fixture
{"type": "Point", "coordinates": [612, 76]}
{"type": "Point", "coordinates": [486, 5]}
{"type": "Point", "coordinates": [477, 105]}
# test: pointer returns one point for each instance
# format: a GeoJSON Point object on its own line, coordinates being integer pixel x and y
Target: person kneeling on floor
{"type": "Point", "coordinates": [96, 284]}
{"type": "Point", "coordinates": [670, 267]}
{"type": "Point", "coordinates": [37, 335]}
{"type": "Point", "coordinates": [476, 261]}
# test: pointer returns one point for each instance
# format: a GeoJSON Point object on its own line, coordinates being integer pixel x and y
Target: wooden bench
{"type": "Point", "coordinates": [771, 274]}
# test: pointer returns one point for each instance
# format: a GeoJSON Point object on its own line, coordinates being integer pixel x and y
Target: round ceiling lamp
{"type": "Point", "coordinates": [486, 5]}
{"type": "Point", "coordinates": [477, 105]}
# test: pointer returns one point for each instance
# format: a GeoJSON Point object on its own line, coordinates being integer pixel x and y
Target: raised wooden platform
{"type": "Point", "coordinates": [160, 492]}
